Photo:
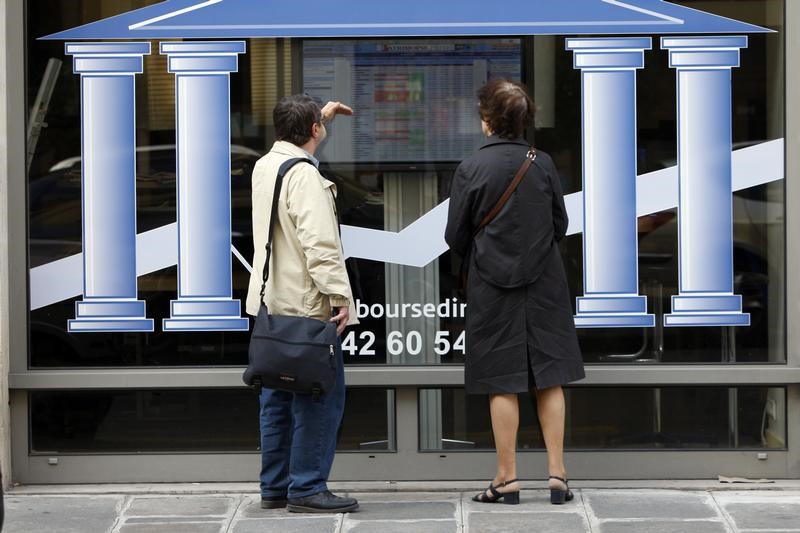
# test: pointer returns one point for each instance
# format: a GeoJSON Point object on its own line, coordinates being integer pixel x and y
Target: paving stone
{"type": "Point", "coordinates": [184, 527]}
{"type": "Point", "coordinates": [753, 495]}
{"type": "Point", "coordinates": [180, 506]}
{"type": "Point", "coordinates": [403, 496]}
{"type": "Point", "coordinates": [327, 524]}
{"type": "Point", "coordinates": [404, 510]}
{"type": "Point", "coordinates": [169, 519]}
{"type": "Point", "coordinates": [529, 501]}
{"type": "Point", "coordinates": [426, 526]}
{"type": "Point", "coordinates": [764, 514]}
{"type": "Point", "coordinates": [650, 504]}
{"type": "Point", "coordinates": [78, 514]}
{"type": "Point", "coordinates": [663, 526]}
{"type": "Point", "coordinates": [526, 522]}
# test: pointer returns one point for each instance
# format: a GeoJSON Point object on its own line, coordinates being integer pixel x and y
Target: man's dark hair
{"type": "Point", "coordinates": [506, 107]}
{"type": "Point", "coordinates": [293, 117]}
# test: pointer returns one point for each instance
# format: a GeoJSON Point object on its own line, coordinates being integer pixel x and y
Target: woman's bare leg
{"type": "Point", "coordinates": [504, 409]}
{"type": "Point", "coordinates": [552, 411]}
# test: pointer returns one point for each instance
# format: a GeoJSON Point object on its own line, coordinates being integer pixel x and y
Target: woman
{"type": "Point", "coordinates": [520, 332]}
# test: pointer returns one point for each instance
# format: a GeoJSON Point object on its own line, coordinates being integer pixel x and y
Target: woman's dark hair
{"type": "Point", "coordinates": [506, 107]}
{"type": "Point", "coordinates": [293, 117]}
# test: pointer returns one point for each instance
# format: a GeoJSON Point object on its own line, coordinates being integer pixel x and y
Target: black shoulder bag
{"type": "Point", "coordinates": [290, 353]}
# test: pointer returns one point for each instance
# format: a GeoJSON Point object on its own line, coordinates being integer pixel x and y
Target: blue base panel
{"type": "Point", "coordinates": [205, 308]}
{"type": "Point", "coordinates": [103, 308]}
{"type": "Point", "coordinates": [611, 304]}
{"type": "Point", "coordinates": [98, 325]}
{"type": "Point", "coordinates": [693, 305]}
{"type": "Point", "coordinates": [596, 320]}
{"type": "Point", "coordinates": [206, 324]}
{"type": "Point", "coordinates": [706, 319]}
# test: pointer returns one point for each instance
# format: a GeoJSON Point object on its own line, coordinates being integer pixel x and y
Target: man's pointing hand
{"type": "Point", "coordinates": [331, 109]}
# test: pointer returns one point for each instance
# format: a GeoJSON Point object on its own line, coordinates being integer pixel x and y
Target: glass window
{"type": "Point", "coordinates": [623, 418]}
{"type": "Point", "coordinates": [177, 420]}
{"type": "Point", "coordinates": [393, 163]}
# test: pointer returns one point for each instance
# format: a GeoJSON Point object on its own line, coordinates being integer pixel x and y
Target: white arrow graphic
{"type": "Point", "coordinates": [418, 244]}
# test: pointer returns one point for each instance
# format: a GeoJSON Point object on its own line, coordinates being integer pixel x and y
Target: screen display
{"type": "Point", "coordinates": [415, 101]}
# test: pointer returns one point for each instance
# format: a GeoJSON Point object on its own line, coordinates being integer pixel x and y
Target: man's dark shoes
{"type": "Point", "coordinates": [322, 502]}
{"type": "Point", "coordinates": [273, 502]}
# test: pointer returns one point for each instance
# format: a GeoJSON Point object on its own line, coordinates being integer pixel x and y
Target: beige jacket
{"type": "Point", "coordinates": [307, 275]}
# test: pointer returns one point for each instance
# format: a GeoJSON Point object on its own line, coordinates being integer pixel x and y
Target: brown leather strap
{"type": "Point", "coordinates": [493, 212]}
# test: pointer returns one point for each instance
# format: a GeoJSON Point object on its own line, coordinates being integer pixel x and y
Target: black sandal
{"type": "Point", "coordinates": [559, 496]}
{"type": "Point", "coordinates": [511, 498]}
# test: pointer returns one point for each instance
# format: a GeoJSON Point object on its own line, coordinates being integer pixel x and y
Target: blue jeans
{"type": "Point", "coordinates": [298, 438]}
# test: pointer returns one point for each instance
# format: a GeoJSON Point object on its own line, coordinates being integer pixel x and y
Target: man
{"type": "Point", "coordinates": [307, 278]}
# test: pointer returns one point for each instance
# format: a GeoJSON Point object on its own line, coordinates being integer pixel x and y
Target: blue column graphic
{"type": "Point", "coordinates": [202, 90]}
{"type": "Point", "coordinates": [108, 187]}
{"type": "Point", "coordinates": [610, 247]}
{"type": "Point", "coordinates": [703, 66]}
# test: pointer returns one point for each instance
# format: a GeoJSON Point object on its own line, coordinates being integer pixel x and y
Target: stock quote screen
{"type": "Point", "coordinates": [415, 100]}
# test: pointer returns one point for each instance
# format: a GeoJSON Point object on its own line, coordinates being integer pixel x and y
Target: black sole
{"type": "Point", "coordinates": [273, 504]}
{"type": "Point", "coordinates": [304, 509]}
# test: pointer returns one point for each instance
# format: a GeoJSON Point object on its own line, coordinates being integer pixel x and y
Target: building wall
{"type": "Point", "coordinates": [4, 329]}
{"type": "Point", "coordinates": [793, 217]}
{"type": "Point", "coordinates": [13, 257]}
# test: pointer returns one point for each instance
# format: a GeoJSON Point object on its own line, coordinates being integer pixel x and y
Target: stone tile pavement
{"type": "Point", "coordinates": [194, 508]}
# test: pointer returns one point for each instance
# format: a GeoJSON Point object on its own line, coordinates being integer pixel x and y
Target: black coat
{"type": "Point", "coordinates": [520, 327]}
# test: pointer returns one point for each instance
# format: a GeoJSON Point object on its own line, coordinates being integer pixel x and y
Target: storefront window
{"type": "Point", "coordinates": [626, 418]}
{"type": "Point", "coordinates": [219, 420]}
{"type": "Point", "coordinates": [393, 163]}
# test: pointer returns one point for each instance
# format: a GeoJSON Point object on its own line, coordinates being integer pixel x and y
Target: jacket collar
{"type": "Point", "coordinates": [494, 139]}
{"type": "Point", "coordinates": [288, 149]}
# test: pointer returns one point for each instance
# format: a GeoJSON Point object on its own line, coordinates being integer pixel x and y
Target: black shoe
{"type": "Point", "coordinates": [322, 502]}
{"type": "Point", "coordinates": [273, 502]}
{"type": "Point", "coordinates": [494, 496]}
{"type": "Point", "coordinates": [558, 495]}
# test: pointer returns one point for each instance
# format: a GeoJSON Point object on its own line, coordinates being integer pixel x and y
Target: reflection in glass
{"type": "Point", "coordinates": [387, 192]}
{"type": "Point", "coordinates": [628, 418]}
{"type": "Point", "coordinates": [217, 420]}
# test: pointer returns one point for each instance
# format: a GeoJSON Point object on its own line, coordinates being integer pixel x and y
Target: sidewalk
{"type": "Point", "coordinates": [599, 507]}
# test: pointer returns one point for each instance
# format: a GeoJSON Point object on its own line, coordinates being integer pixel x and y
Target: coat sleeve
{"type": "Point", "coordinates": [458, 233]}
{"type": "Point", "coordinates": [560, 217]}
{"type": "Point", "coordinates": [310, 207]}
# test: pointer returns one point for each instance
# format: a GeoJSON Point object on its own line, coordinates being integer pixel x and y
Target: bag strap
{"type": "Point", "coordinates": [530, 157]}
{"type": "Point", "coordinates": [282, 171]}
